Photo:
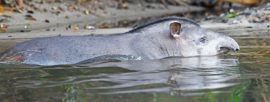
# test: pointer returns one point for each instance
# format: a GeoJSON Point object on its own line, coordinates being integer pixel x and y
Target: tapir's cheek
{"type": "Point", "coordinates": [208, 51]}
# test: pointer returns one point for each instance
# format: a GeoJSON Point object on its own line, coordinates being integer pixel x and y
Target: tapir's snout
{"type": "Point", "coordinates": [215, 43]}
{"type": "Point", "coordinates": [227, 44]}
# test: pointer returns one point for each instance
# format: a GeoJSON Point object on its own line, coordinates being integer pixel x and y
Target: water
{"type": "Point", "coordinates": [242, 77]}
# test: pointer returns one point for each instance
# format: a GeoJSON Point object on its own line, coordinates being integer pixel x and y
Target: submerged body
{"type": "Point", "coordinates": [167, 37]}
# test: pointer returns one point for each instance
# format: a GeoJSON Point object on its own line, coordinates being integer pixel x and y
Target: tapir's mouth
{"type": "Point", "coordinates": [227, 49]}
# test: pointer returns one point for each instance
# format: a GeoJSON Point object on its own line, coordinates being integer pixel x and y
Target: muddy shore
{"type": "Point", "coordinates": [38, 15]}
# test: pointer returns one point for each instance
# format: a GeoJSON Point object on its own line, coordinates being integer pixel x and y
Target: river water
{"type": "Point", "coordinates": [234, 77]}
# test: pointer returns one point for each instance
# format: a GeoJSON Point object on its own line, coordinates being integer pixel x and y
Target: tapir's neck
{"type": "Point", "coordinates": [152, 29]}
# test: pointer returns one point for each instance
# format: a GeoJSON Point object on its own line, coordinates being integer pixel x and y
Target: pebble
{"type": "Point", "coordinates": [89, 27]}
{"type": "Point", "coordinates": [47, 21]}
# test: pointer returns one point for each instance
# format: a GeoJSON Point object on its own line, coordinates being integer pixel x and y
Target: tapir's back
{"type": "Point", "coordinates": [62, 50]}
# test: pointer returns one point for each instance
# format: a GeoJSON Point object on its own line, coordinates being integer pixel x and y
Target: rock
{"type": "Point", "coordinates": [89, 27]}
{"type": "Point", "coordinates": [268, 17]}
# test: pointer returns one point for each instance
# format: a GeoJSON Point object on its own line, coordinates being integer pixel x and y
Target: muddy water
{"type": "Point", "coordinates": [242, 77]}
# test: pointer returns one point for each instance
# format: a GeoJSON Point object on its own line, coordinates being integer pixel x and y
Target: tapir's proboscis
{"type": "Point", "coordinates": [166, 37]}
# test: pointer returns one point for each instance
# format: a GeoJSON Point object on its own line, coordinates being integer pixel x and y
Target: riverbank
{"type": "Point", "coordinates": [46, 16]}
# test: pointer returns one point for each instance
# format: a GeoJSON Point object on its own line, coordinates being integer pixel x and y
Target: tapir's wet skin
{"type": "Point", "coordinates": [166, 37]}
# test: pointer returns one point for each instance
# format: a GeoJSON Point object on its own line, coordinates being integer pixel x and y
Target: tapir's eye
{"type": "Point", "coordinates": [203, 39]}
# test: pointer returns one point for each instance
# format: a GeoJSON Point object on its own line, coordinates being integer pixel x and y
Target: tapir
{"type": "Point", "coordinates": [157, 39]}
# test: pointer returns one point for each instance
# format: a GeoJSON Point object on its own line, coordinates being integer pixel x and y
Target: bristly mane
{"type": "Point", "coordinates": [136, 28]}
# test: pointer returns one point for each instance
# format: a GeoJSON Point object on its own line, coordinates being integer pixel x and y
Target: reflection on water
{"type": "Point", "coordinates": [171, 76]}
{"type": "Point", "coordinates": [243, 77]}
{"type": "Point", "coordinates": [174, 74]}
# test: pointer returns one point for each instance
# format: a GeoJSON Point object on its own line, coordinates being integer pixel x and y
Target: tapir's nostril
{"type": "Point", "coordinates": [227, 49]}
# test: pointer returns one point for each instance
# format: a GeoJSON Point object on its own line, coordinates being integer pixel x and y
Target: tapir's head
{"type": "Point", "coordinates": [183, 37]}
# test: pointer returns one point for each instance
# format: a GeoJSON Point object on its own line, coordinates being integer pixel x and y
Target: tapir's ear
{"type": "Point", "coordinates": [175, 29]}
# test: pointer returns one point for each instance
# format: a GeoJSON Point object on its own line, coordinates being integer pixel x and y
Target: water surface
{"type": "Point", "coordinates": [241, 77]}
